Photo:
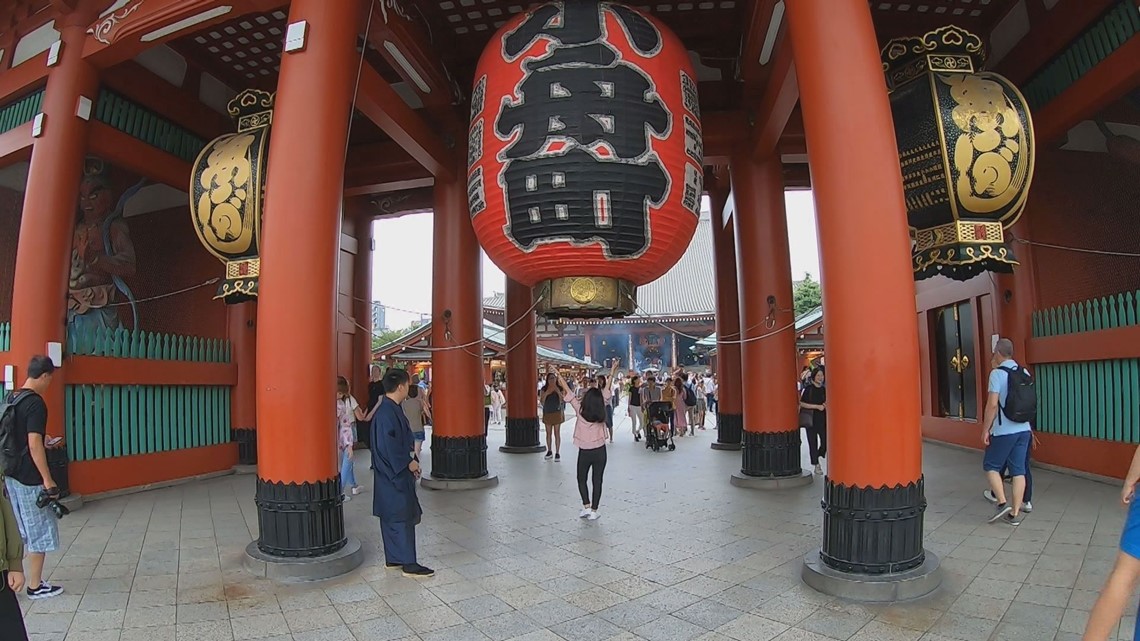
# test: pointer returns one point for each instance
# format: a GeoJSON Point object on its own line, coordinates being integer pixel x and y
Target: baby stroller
{"type": "Point", "coordinates": [658, 428]}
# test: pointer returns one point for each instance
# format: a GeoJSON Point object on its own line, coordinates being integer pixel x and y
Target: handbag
{"type": "Point", "coordinates": [807, 419]}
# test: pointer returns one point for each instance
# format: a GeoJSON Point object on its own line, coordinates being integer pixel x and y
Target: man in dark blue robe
{"type": "Point", "coordinates": [395, 470]}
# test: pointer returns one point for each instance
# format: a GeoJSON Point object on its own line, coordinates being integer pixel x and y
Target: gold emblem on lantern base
{"type": "Point", "coordinates": [586, 297]}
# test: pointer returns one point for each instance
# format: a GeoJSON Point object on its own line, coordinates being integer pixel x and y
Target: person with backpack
{"type": "Point", "coordinates": [1006, 433]}
{"type": "Point", "coordinates": [23, 461]}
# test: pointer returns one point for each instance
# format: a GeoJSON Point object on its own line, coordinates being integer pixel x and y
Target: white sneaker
{"type": "Point", "coordinates": [593, 516]}
{"type": "Point", "coordinates": [347, 498]}
{"type": "Point", "coordinates": [357, 489]}
{"type": "Point", "coordinates": [1027, 507]}
{"type": "Point", "coordinates": [818, 470]}
{"type": "Point", "coordinates": [584, 513]}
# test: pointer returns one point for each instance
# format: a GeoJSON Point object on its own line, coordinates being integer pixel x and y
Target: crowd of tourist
{"type": "Point", "coordinates": [394, 423]}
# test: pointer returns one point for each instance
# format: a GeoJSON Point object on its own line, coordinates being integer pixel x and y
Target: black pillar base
{"type": "Point", "coordinates": [458, 457]}
{"type": "Point", "coordinates": [522, 436]}
{"type": "Point", "coordinates": [300, 520]}
{"type": "Point", "coordinates": [771, 454]}
{"type": "Point", "coordinates": [246, 440]}
{"type": "Point", "coordinates": [873, 530]}
{"type": "Point", "coordinates": [729, 431]}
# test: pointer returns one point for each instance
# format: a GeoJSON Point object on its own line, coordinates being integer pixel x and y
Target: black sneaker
{"type": "Point", "coordinates": [393, 566]}
{"type": "Point", "coordinates": [557, 458]}
{"type": "Point", "coordinates": [44, 591]}
{"type": "Point", "coordinates": [417, 571]}
{"type": "Point", "coordinates": [1013, 520]}
{"type": "Point", "coordinates": [1001, 510]}
{"type": "Point", "coordinates": [549, 455]}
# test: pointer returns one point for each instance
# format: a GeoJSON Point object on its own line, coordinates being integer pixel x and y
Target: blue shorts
{"type": "Point", "coordinates": [38, 526]}
{"type": "Point", "coordinates": [1007, 451]}
{"type": "Point", "coordinates": [420, 436]}
{"type": "Point", "coordinates": [1130, 536]}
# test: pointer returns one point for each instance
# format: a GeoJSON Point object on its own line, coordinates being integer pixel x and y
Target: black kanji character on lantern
{"type": "Point", "coordinates": [580, 198]}
{"type": "Point", "coordinates": [580, 22]}
{"type": "Point", "coordinates": [587, 104]}
{"type": "Point", "coordinates": [580, 167]}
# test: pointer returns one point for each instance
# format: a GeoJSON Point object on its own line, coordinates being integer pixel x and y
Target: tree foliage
{"type": "Point", "coordinates": [383, 338]}
{"type": "Point", "coordinates": [806, 295]}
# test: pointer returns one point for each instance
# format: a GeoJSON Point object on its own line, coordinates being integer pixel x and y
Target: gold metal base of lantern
{"type": "Point", "coordinates": [586, 297]}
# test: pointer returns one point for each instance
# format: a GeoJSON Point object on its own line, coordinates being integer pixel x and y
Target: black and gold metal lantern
{"type": "Point", "coordinates": [966, 147]}
{"type": "Point", "coordinates": [227, 194]}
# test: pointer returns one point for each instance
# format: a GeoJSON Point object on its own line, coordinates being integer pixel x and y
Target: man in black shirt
{"type": "Point", "coordinates": [39, 527]}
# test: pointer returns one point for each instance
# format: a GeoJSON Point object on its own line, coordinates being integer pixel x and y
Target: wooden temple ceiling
{"type": "Point", "coordinates": [724, 38]}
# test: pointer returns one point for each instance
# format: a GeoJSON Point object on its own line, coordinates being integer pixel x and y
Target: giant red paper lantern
{"type": "Point", "coordinates": [585, 154]}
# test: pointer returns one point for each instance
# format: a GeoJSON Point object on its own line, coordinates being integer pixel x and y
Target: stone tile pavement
{"type": "Point", "coordinates": [678, 555]}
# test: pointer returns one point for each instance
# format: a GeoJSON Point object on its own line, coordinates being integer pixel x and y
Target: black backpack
{"type": "Point", "coordinates": [1021, 396]}
{"type": "Point", "coordinates": [12, 447]}
{"type": "Point", "coordinates": [690, 397]}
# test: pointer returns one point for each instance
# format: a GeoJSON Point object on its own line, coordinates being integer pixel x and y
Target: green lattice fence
{"type": "Point", "coordinates": [1094, 399]}
{"type": "Point", "coordinates": [123, 343]}
{"type": "Point", "coordinates": [17, 113]}
{"type": "Point", "coordinates": [5, 337]}
{"type": "Point", "coordinates": [105, 421]}
{"type": "Point", "coordinates": [1117, 26]}
{"type": "Point", "coordinates": [147, 126]}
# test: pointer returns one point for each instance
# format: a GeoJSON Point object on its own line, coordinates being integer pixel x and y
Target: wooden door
{"type": "Point", "coordinates": [955, 351]}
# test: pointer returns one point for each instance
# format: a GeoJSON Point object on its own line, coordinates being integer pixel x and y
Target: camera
{"type": "Point", "coordinates": [50, 499]}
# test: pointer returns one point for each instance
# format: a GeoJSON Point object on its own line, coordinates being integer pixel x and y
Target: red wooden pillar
{"type": "Point", "coordinates": [362, 308]}
{"type": "Point", "coordinates": [43, 256]}
{"type": "Point", "coordinates": [1016, 296]}
{"type": "Point", "coordinates": [771, 436]}
{"type": "Point", "coordinates": [522, 371]}
{"type": "Point", "coordinates": [873, 406]}
{"type": "Point", "coordinates": [729, 410]}
{"type": "Point", "coordinates": [458, 443]}
{"type": "Point", "coordinates": [298, 489]}
{"type": "Point", "coordinates": [242, 330]}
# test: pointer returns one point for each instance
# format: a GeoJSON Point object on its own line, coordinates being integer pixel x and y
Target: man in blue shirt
{"type": "Point", "coordinates": [1007, 442]}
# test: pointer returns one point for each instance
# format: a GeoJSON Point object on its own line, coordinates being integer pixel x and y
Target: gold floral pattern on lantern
{"type": "Point", "coordinates": [966, 150]}
{"type": "Point", "coordinates": [226, 194]}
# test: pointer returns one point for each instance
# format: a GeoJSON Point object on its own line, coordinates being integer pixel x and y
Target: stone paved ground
{"type": "Point", "coordinates": [678, 555]}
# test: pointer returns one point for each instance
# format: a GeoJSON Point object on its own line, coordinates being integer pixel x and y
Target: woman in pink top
{"type": "Point", "coordinates": [680, 410]}
{"type": "Point", "coordinates": [590, 437]}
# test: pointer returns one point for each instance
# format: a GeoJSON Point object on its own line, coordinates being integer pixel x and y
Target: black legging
{"type": "Point", "coordinates": [817, 437]}
{"type": "Point", "coordinates": [595, 458]}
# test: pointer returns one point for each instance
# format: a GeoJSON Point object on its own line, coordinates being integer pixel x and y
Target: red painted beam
{"type": "Point", "coordinates": [1104, 84]}
{"type": "Point", "coordinates": [183, 108]}
{"type": "Point", "coordinates": [1052, 33]}
{"type": "Point", "coordinates": [1101, 345]}
{"type": "Point", "coordinates": [101, 370]}
{"type": "Point", "coordinates": [381, 168]}
{"type": "Point", "coordinates": [18, 80]}
{"type": "Point", "coordinates": [722, 132]}
{"type": "Point", "coordinates": [134, 155]}
{"type": "Point", "coordinates": [779, 100]}
{"type": "Point", "coordinates": [383, 106]}
{"type": "Point", "coordinates": [757, 32]}
{"type": "Point", "coordinates": [117, 37]}
{"type": "Point", "coordinates": [16, 144]}
{"type": "Point", "coordinates": [406, 47]}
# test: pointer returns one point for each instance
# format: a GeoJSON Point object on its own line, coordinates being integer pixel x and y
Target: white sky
{"type": "Point", "coordinates": [408, 241]}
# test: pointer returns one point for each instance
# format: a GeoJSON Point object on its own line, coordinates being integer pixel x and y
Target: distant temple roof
{"type": "Point", "coordinates": [803, 322]}
{"type": "Point", "coordinates": [410, 347]}
{"type": "Point", "coordinates": [686, 292]}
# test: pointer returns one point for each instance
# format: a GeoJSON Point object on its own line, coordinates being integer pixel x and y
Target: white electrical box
{"type": "Point", "coordinates": [55, 353]}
